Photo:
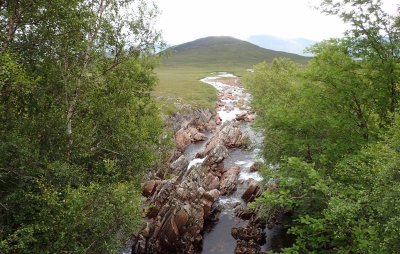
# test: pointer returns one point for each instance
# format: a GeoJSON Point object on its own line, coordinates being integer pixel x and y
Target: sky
{"type": "Point", "coordinates": [186, 20]}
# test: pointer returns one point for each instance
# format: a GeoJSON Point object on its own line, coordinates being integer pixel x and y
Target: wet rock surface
{"type": "Point", "coordinates": [253, 191]}
{"type": "Point", "coordinates": [184, 210]}
{"type": "Point", "coordinates": [176, 215]}
{"type": "Point", "coordinates": [179, 164]}
{"type": "Point", "coordinates": [230, 135]}
{"type": "Point", "coordinates": [229, 180]}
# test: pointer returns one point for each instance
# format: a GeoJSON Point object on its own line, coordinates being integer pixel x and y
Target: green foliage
{"type": "Point", "coordinates": [78, 125]}
{"type": "Point", "coordinates": [184, 65]}
{"type": "Point", "coordinates": [332, 130]}
{"type": "Point", "coordinates": [305, 113]}
{"type": "Point", "coordinates": [353, 209]}
{"type": "Point", "coordinates": [220, 52]}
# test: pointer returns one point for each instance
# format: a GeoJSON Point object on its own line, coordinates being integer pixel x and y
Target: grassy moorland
{"type": "Point", "coordinates": [183, 66]}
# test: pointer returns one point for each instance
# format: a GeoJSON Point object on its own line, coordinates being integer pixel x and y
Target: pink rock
{"type": "Point", "coordinates": [182, 139]}
{"type": "Point", "coordinates": [229, 180]}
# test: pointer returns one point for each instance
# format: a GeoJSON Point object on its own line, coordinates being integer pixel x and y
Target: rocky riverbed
{"type": "Point", "coordinates": [202, 208]}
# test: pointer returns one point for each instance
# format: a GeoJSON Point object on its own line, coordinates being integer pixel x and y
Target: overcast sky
{"type": "Point", "coordinates": [187, 20]}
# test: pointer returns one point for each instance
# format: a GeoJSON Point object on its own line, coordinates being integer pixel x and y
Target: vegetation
{"type": "Point", "coordinates": [184, 65]}
{"type": "Point", "coordinates": [183, 85]}
{"type": "Point", "coordinates": [333, 131]}
{"type": "Point", "coordinates": [78, 124]}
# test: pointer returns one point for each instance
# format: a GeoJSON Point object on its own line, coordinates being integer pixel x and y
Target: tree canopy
{"type": "Point", "coordinates": [78, 125]}
{"type": "Point", "coordinates": [332, 131]}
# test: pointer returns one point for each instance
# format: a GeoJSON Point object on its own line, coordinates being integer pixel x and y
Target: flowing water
{"type": "Point", "coordinates": [232, 97]}
{"type": "Point", "coordinates": [233, 100]}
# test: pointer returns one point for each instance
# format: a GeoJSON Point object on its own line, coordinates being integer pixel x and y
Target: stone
{"type": "Point", "coordinates": [177, 213]}
{"type": "Point", "coordinates": [212, 181]}
{"type": "Point", "coordinates": [181, 218]}
{"type": "Point", "coordinates": [195, 135]}
{"type": "Point", "coordinates": [229, 135]}
{"type": "Point", "coordinates": [255, 167]}
{"type": "Point", "coordinates": [179, 164]}
{"type": "Point", "coordinates": [241, 116]}
{"type": "Point", "coordinates": [251, 192]}
{"type": "Point", "coordinates": [149, 187]}
{"type": "Point", "coordinates": [211, 125]}
{"type": "Point", "coordinates": [182, 139]}
{"type": "Point", "coordinates": [243, 212]}
{"type": "Point", "coordinates": [218, 120]}
{"type": "Point", "coordinates": [229, 180]}
{"type": "Point", "coordinates": [216, 155]}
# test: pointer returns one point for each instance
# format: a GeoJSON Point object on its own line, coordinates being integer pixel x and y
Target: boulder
{"type": "Point", "coordinates": [229, 135]}
{"type": "Point", "coordinates": [251, 192]}
{"type": "Point", "coordinates": [241, 116]}
{"type": "Point", "coordinates": [255, 167]}
{"type": "Point", "coordinates": [195, 135]}
{"type": "Point", "coordinates": [212, 181]}
{"type": "Point", "coordinates": [211, 125]}
{"type": "Point", "coordinates": [218, 120]}
{"type": "Point", "coordinates": [149, 187]}
{"type": "Point", "coordinates": [216, 155]}
{"type": "Point", "coordinates": [250, 238]}
{"type": "Point", "coordinates": [229, 180]}
{"type": "Point", "coordinates": [177, 214]}
{"type": "Point", "coordinates": [182, 139]}
{"type": "Point", "coordinates": [179, 164]}
{"type": "Point", "coordinates": [243, 212]}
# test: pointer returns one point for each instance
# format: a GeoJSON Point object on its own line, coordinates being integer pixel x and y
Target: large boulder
{"type": "Point", "coordinates": [179, 164]}
{"type": "Point", "coordinates": [252, 191]}
{"type": "Point", "coordinates": [250, 238]}
{"type": "Point", "coordinates": [229, 135]}
{"type": "Point", "coordinates": [256, 167]}
{"type": "Point", "coordinates": [177, 214]}
{"type": "Point", "coordinates": [229, 180]}
{"type": "Point", "coordinates": [216, 155]}
{"type": "Point", "coordinates": [149, 187]}
{"type": "Point", "coordinates": [182, 139]}
{"type": "Point", "coordinates": [195, 135]}
{"type": "Point", "coordinates": [212, 181]}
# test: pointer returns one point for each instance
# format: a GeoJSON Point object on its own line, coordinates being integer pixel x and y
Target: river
{"type": "Point", "coordinates": [234, 100]}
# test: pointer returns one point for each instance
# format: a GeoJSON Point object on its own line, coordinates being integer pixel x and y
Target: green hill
{"type": "Point", "coordinates": [182, 67]}
{"type": "Point", "coordinates": [220, 52]}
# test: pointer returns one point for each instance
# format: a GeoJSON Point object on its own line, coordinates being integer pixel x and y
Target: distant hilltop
{"type": "Point", "coordinates": [222, 50]}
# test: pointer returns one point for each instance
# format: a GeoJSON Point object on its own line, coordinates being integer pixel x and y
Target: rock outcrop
{"type": "Point", "coordinates": [249, 239]}
{"type": "Point", "coordinates": [252, 191]}
{"type": "Point", "coordinates": [230, 135]}
{"type": "Point", "coordinates": [229, 180]}
{"type": "Point", "coordinates": [190, 127]}
{"type": "Point", "coordinates": [179, 164]}
{"type": "Point", "coordinates": [176, 215]}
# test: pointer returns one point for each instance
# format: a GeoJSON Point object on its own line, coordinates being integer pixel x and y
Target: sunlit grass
{"type": "Point", "coordinates": [183, 85]}
{"type": "Point", "coordinates": [180, 71]}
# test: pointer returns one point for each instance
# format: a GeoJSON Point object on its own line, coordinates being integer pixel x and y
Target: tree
{"type": "Point", "coordinates": [78, 124]}
{"type": "Point", "coordinates": [375, 39]}
{"type": "Point", "coordinates": [332, 131]}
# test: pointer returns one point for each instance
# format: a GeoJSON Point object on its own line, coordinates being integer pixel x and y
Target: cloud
{"type": "Point", "coordinates": [185, 20]}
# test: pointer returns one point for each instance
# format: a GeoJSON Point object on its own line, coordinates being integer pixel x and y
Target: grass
{"type": "Point", "coordinates": [183, 86]}
{"type": "Point", "coordinates": [181, 71]}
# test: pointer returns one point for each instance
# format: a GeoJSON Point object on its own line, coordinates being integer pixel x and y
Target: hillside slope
{"type": "Point", "coordinates": [220, 52]}
{"type": "Point", "coordinates": [183, 66]}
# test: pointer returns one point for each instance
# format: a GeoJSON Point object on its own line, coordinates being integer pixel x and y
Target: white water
{"type": "Point", "coordinates": [230, 109]}
{"type": "Point", "coordinates": [195, 162]}
{"type": "Point", "coordinates": [233, 100]}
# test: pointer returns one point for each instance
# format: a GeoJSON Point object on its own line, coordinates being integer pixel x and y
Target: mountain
{"type": "Point", "coordinates": [295, 46]}
{"type": "Point", "coordinates": [221, 52]}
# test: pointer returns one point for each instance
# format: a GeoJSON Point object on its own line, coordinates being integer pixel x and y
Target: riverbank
{"type": "Point", "coordinates": [202, 206]}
